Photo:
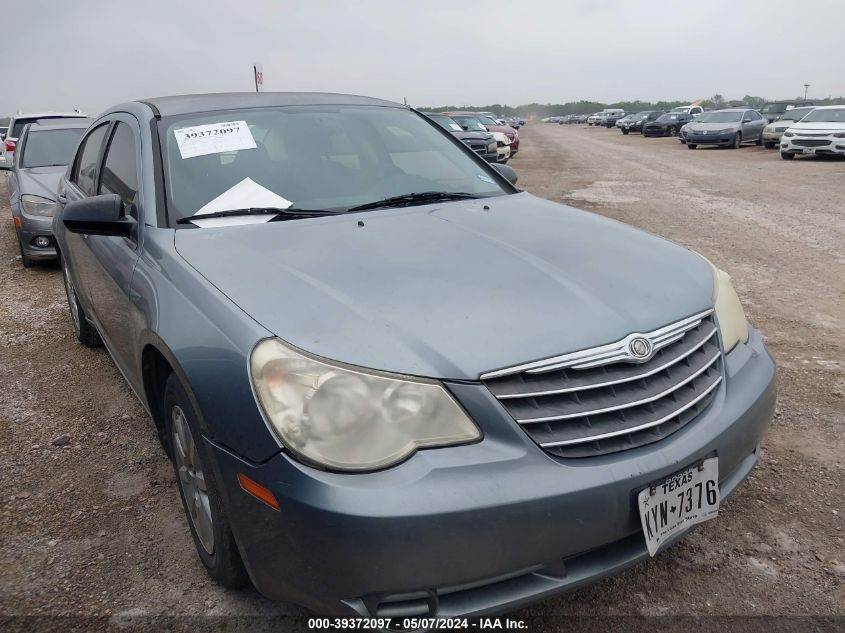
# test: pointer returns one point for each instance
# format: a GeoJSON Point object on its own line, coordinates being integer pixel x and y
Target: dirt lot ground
{"type": "Point", "coordinates": [93, 526]}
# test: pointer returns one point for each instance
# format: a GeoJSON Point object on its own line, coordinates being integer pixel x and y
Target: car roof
{"type": "Point", "coordinates": [62, 124]}
{"type": "Point", "coordinates": [188, 104]}
{"type": "Point", "coordinates": [44, 115]}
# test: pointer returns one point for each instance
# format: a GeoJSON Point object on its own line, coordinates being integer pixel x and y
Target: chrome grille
{"type": "Point", "coordinates": [810, 142]}
{"type": "Point", "coordinates": [601, 400]}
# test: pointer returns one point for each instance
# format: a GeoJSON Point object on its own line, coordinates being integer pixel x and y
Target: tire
{"type": "Point", "coordinates": [737, 143]}
{"type": "Point", "coordinates": [85, 332]}
{"type": "Point", "coordinates": [787, 155]}
{"type": "Point", "coordinates": [691, 145]}
{"type": "Point", "coordinates": [26, 260]}
{"type": "Point", "coordinates": [759, 140]}
{"type": "Point", "coordinates": [209, 525]}
{"type": "Point", "coordinates": [768, 144]}
{"type": "Point", "coordinates": [625, 132]}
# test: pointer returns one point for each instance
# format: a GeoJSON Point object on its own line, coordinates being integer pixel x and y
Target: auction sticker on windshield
{"type": "Point", "coordinates": [214, 138]}
{"type": "Point", "coordinates": [679, 502]}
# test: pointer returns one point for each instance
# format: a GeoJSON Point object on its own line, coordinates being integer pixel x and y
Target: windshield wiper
{"type": "Point", "coordinates": [289, 213]}
{"type": "Point", "coordinates": [410, 199]}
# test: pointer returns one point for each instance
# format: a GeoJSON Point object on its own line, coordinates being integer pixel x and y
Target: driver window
{"type": "Point", "coordinates": [119, 174]}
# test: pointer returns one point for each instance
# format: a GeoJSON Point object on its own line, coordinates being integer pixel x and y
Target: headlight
{"type": "Point", "coordinates": [36, 205]}
{"type": "Point", "coordinates": [839, 135]}
{"type": "Point", "coordinates": [491, 147]}
{"type": "Point", "coordinates": [789, 134]}
{"type": "Point", "coordinates": [348, 418]}
{"type": "Point", "coordinates": [733, 325]}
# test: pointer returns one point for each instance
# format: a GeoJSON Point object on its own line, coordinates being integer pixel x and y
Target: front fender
{"type": "Point", "coordinates": [206, 339]}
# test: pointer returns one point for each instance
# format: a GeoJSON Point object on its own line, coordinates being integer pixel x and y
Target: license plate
{"type": "Point", "coordinates": [679, 502]}
{"type": "Point", "coordinates": [809, 150]}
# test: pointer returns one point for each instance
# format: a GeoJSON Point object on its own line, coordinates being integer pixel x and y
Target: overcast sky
{"type": "Point", "coordinates": [95, 53]}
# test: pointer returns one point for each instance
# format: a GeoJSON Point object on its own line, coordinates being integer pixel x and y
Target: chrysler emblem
{"type": "Point", "coordinates": [640, 348]}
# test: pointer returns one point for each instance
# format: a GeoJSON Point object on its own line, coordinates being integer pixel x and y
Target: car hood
{"type": "Point", "coordinates": [821, 126]}
{"type": "Point", "coordinates": [40, 181]}
{"type": "Point", "coordinates": [474, 136]}
{"type": "Point", "coordinates": [504, 129]}
{"type": "Point", "coordinates": [451, 290]}
{"type": "Point", "coordinates": [700, 127]}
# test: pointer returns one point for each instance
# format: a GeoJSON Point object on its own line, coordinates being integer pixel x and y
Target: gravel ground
{"type": "Point", "coordinates": [90, 518]}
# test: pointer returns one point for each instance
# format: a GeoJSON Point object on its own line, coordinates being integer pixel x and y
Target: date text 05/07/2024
{"type": "Point", "coordinates": [414, 624]}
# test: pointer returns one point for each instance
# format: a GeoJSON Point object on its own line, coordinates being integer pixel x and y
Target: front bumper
{"type": "Point", "coordinates": [483, 528]}
{"type": "Point", "coordinates": [504, 153]}
{"type": "Point", "coordinates": [661, 130]}
{"type": "Point", "coordinates": [772, 137]}
{"type": "Point", "coordinates": [710, 139]}
{"type": "Point", "coordinates": [32, 227]}
{"type": "Point", "coordinates": [817, 145]}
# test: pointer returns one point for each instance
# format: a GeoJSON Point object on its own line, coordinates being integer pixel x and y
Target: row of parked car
{"type": "Point", "coordinates": [494, 138]}
{"type": "Point", "coordinates": [795, 128]}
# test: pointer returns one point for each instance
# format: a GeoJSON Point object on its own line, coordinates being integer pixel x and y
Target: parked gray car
{"type": "Point", "coordinates": [729, 128]}
{"type": "Point", "coordinates": [391, 383]}
{"type": "Point", "coordinates": [21, 120]}
{"type": "Point", "coordinates": [43, 152]}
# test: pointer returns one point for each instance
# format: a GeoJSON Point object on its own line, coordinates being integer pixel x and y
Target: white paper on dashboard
{"type": "Point", "coordinates": [214, 138]}
{"type": "Point", "coordinates": [244, 195]}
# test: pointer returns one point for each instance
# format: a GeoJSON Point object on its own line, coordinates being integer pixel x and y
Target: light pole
{"type": "Point", "coordinates": [805, 91]}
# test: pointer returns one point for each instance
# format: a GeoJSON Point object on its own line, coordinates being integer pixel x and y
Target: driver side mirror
{"type": "Point", "coordinates": [98, 215]}
{"type": "Point", "coordinates": [509, 173]}
{"type": "Point", "coordinates": [465, 128]}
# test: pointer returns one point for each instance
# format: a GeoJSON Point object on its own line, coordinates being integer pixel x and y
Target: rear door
{"type": "Point", "coordinates": [82, 183]}
{"type": "Point", "coordinates": [103, 265]}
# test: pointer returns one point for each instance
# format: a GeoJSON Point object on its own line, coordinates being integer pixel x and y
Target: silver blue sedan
{"type": "Point", "coordinates": [392, 384]}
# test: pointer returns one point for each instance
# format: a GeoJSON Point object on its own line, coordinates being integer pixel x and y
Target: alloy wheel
{"type": "Point", "coordinates": [191, 478]}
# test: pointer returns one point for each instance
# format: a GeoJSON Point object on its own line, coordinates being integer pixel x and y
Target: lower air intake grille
{"type": "Point", "coordinates": [604, 400]}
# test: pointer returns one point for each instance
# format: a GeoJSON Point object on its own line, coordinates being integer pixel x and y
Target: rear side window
{"type": "Point", "coordinates": [119, 174]}
{"type": "Point", "coordinates": [85, 170]}
{"type": "Point", "coordinates": [18, 126]}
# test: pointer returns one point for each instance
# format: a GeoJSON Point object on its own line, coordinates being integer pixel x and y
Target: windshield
{"type": "Point", "coordinates": [796, 114]}
{"type": "Point", "coordinates": [679, 110]}
{"type": "Point", "coordinates": [773, 108]}
{"type": "Point", "coordinates": [486, 120]}
{"type": "Point", "coordinates": [445, 122]}
{"type": "Point", "coordinates": [834, 115]}
{"type": "Point", "coordinates": [720, 117]}
{"type": "Point", "coordinates": [47, 148]}
{"type": "Point", "coordinates": [665, 118]}
{"type": "Point", "coordinates": [328, 157]}
{"type": "Point", "coordinates": [471, 123]}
